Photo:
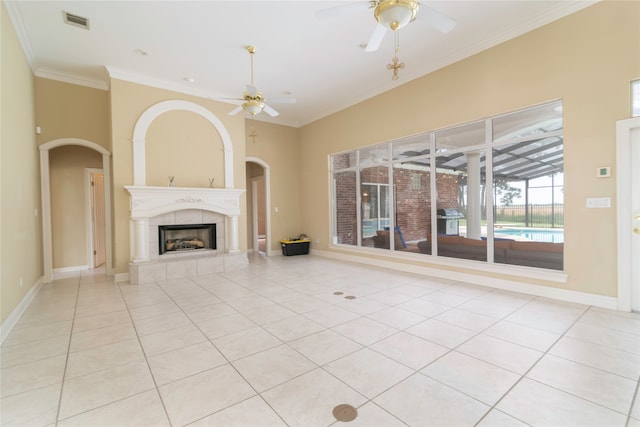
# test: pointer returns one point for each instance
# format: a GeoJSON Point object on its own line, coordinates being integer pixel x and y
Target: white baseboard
{"type": "Point", "coordinates": [493, 282]}
{"type": "Point", "coordinates": [121, 277]}
{"type": "Point", "coordinates": [63, 271]}
{"type": "Point", "coordinates": [17, 312]}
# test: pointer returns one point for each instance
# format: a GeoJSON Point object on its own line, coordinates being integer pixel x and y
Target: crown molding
{"type": "Point", "coordinates": [143, 79]}
{"type": "Point", "coordinates": [561, 10]}
{"type": "Point", "coordinates": [76, 79]}
{"type": "Point", "coordinates": [133, 77]}
{"type": "Point", "coordinates": [18, 24]}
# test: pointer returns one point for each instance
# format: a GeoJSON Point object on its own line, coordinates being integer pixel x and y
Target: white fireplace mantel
{"type": "Point", "coordinates": [147, 202]}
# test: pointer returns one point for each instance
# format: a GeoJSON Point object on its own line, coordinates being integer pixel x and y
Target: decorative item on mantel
{"type": "Point", "coordinates": [171, 181]}
{"type": "Point", "coordinates": [211, 182]}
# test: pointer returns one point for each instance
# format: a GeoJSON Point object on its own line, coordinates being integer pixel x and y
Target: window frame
{"type": "Point", "coordinates": [433, 154]}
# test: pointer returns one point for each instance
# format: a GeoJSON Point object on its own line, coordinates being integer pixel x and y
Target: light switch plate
{"type": "Point", "coordinates": [598, 202]}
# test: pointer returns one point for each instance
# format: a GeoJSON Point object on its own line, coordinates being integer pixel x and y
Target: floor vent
{"type": "Point", "coordinates": [345, 413]}
{"type": "Point", "coordinates": [76, 20]}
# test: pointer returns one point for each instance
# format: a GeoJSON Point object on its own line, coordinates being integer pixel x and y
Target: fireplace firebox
{"type": "Point", "coordinates": [186, 237]}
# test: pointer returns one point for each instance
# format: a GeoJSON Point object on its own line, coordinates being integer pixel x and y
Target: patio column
{"type": "Point", "coordinates": [474, 213]}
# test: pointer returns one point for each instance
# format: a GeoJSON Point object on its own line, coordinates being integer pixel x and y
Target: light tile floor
{"type": "Point", "coordinates": [273, 345]}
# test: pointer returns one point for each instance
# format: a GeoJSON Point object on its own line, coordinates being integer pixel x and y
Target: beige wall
{"type": "Point", "coordinates": [186, 146]}
{"type": "Point", "coordinates": [278, 146]}
{"type": "Point", "coordinates": [20, 228]}
{"type": "Point", "coordinates": [587, 59]}
{"type": "Point", "coordinates": [68, 203]}
{"type": "Point", "coordinates": [65, 110]}
{"type": "Point", "coordinates": [176, 130]}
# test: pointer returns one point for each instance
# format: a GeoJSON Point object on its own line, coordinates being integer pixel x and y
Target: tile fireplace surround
{"type": "Point", "coordinates": [154, 206]}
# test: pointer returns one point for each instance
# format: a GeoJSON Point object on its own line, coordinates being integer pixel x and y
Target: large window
{"type": "Point", "coordinates": [488, 191]}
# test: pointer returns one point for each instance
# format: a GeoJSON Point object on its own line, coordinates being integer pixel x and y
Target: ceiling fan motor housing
{"type": "Point", "coordinates": [395, 14]}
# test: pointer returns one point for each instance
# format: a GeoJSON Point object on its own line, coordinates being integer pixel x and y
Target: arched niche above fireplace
{"type": "Point", "coordinates": [153, 112]}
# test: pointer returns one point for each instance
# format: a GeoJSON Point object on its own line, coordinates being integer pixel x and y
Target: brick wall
{"type": "Point", "coordinates": [345, 183]}
{"type": "Point", "coordinates": [412, 196]}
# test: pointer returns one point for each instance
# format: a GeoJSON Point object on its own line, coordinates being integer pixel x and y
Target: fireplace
{"type": "Point", "coordinates": [186, 237]}
{"type": "Point", "coordinates": [152, 207]}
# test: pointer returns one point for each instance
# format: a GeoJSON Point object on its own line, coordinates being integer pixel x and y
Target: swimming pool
{"type": "Point", "coordinates": [553, 235]}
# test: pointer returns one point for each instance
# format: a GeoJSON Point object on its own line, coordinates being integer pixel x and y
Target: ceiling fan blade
{"type": "Point", "coordinates": [330, 12]}
{"type": "Point", "coordinates": [270, 111]}
{"type": "Point", "coordinates": [235, 101]}
{"type": "Point", "coordinates": [252, 91]}
{"type": "Point", "coordinates": [438, 20]}
{"type": "Point", "coordinates": [376, 38]}
{"type": "Point", "coordinates": [236, 110]}
{"type": "Point", "coordinates": [282, 100]}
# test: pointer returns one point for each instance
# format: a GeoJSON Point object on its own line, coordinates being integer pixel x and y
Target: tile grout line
{"type": "Point", "coordinates": [66, 362]}
{"type": "Point", "coordinates": [144, 353]}
{"type": "Point", "coordinates": [321, 367]}
{"type": "Point", "coordinates": [221, 353]}
{"type": "Point", "coordinates": [636, 395]}
{"type": "Point", "coordinates": [103, 369]}
{"type": "Point", "coordinates": [415, 371]}
{"type": "Point", "coordinates": [524, 375]}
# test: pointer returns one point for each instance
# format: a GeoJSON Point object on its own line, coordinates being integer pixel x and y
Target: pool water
{"type": "Point", "coordinates": [535, 234]}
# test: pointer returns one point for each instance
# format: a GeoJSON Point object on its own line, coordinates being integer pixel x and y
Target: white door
{"type": "Point", "coordinates": [97, 214]}
{"type": "Point", "coordinates": [628, 164]}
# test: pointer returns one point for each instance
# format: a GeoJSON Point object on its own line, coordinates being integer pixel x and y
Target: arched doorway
{"type": "Point", "coordinates": [45, 177]}
{"type": "Point", "coordinates": [258, 201]}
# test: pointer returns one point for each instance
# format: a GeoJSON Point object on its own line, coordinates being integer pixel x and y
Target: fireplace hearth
{"type": "Point", "coordinates": [186, 237]}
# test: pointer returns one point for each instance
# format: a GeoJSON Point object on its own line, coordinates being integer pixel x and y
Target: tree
{"type": "Point", "coordinates": [505, 191]}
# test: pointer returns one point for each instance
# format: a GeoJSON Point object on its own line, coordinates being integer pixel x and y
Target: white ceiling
{"type": "Point", "coordinates": [320, 62]}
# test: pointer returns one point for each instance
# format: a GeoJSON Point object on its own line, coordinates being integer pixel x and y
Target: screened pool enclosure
{"type": "Point", "coordinates": [459, 192]}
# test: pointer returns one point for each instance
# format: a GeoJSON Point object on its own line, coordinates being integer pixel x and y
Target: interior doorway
{"type": "Point", "coordinates": [258, 199]}
{"type": "Point", "coordinates": [96, 235]}
{"type": "Point", "coordinates": [46, 198]}
{"type": "Point", "coordinates": [259, 221]}
{"type": "Point", "coordinates": [628, 186]}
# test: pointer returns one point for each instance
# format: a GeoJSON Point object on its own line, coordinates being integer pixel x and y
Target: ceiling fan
{"type": "Point", "coordinates": [392, 15]}
{"type": "Point", "coordinates": [252, 101]}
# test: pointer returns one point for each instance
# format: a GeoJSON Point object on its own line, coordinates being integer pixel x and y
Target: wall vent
{"type": "Point", "coordinates": [76, 20]}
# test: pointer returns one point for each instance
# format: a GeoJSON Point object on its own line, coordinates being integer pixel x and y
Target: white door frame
{"type": "Point", "coordinates": [254, 213]}
{"type": "Point", "coordinates": [624, 131]}
{"type": "Point", "coordinates": [267, 202]}
{"type": "Point", "coordinates": [88, 197]}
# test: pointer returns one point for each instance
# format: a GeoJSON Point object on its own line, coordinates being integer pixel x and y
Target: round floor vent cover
{"type": "Point", "coordinates": [345, 413]}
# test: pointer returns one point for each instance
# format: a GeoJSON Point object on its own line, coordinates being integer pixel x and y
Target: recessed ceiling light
{"type": "Point", "coordinates": [189, 79]}
{"type": "Point", "coordinates": [140, 52]}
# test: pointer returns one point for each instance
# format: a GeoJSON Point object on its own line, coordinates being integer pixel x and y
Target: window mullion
{"type": "Point", "coordinates": [434, 194]}
{"type": "Point", "coordinates": [391, 203]}
{"type": "Point", "coordinates": [358, 202]}
{"type": "Point", "coordinates": [488, 168]}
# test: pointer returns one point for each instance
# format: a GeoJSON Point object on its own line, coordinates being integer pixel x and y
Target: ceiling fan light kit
{"type": "Point", "coordinates": [395, 14]}
{"type": "Point", "coordinates": [253, 106]}
{"type": "Point", "coordinates": [392, 14]}
{"type": "Point", "coordinates": [252, 100]}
